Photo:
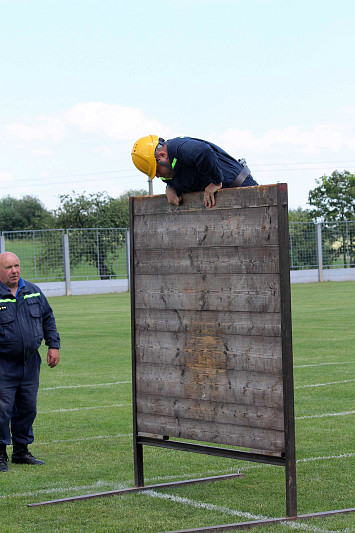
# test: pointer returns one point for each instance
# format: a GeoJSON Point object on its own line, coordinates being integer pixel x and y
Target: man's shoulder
{"type": "Point", "coordinates": [31, 287]}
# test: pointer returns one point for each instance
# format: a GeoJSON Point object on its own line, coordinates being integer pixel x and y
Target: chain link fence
{"type": "Point", "coordinates": [93, 254]}
{"type": "Point", "coordinates": [102, 253]}
{"type": "Point", "coordinates": [329, 245]}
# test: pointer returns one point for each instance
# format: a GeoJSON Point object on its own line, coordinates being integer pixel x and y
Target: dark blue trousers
{"type": "Point", "coordinates": [18, 399]}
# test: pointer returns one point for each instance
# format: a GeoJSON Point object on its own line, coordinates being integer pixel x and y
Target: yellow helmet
{"type": "Point", "coordinates": [143, 155]}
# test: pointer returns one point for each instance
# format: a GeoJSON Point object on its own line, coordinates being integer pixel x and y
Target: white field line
{"type": "Point", "coordinates": [83, 386]}
{"type": "Point", "coordinates": [99, 485]}
{"type": "Point", "coordinates": [201, 505]}
{"type": "Point", "coordinates": [346, 413]}
{"type": "Point", "coordinates": [84, 408]}
{"type": "Point", "coordinates": [225, 510]}
{"type": "Point", "coordinates": [325, 384]}
{"type": "Point", "coordinates": [83, 439]}
{"type": "Point", "coordinates": [326, 458]}
{"type": "Point", "coordinates": [326, 364]}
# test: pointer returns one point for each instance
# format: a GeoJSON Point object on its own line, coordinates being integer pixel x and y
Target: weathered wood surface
{"type": "Point", "coordinates": [262, 196]}
{"type": "Point", "coordinates": [246, 227]}
{"type": "Point", "coordinates": [219, 352]}
{"type": "Point", "coordinates": [247, 292]}
{"type": "Point", "coordinates": [249, 388]}
{"type": "Point", "coordinates": [229, 413]}
{"type": "Point", "coordinates": [243, 436]}
{"type": "Point", "coordinates": [207, 318]}
{"type": "Point", "coordinates": [208, 322]}
{"type": "Point", "coordinates": [216, 260]}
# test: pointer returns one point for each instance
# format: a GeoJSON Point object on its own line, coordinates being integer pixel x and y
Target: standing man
{"type": "Point", "coordinates": [186, 164]}
{"type": "Point", "coordinates": [26, 318]}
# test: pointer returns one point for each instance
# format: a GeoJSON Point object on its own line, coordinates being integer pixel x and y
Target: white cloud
{"type": "Point", "coordinates": [42, 151]}
{"type": "Point", "coordinates": [125, 124]}
{"type": "Point", "coordinates": [349, 110]}
{"type": "Point", "coordinates": [328, 137]}
{"type": "Point", "coordinates": [117, 122]}
{"type": "Point", "coordinates": [6, 176]}
{"type": "Point", "coordinates": [41, 129]}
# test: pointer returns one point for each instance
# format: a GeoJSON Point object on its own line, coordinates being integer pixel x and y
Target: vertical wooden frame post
{"type": "Point", "coordinates": [137, 447]}
{"type": "Point", "coordinates": [287, 359]}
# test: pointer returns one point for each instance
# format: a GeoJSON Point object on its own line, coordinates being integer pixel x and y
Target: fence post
{"type": "Point", "coordinates": [66, 264]}
{"type": "Point", "coordinates": [319, 251]}
{"type": "Point", "coordinates": [2, 244]}
{"type": "Point", "coordinates": [348, 262]}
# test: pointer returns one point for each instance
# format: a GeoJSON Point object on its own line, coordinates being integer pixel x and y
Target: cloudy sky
{"type": "Point", "coordinates": [269, 80]}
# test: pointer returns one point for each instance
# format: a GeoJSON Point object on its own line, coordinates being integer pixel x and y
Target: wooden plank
{"type": "Point", "coordinates": [253, 292]}
{"type": "Point", "coordinates": [230, 352]}
{"type": "Point", "coordinates": [204, 322]}
{"type": "Point", "coordinates": [243, 436]}
{"type": "Point", "coordinates": [264, 195]}
{"type": "Point", "coordinates": [231, 260]}
{"type": "Point", "coordinates": [248, 388]}
{"type": "Point", "coordinates": [209, 411]}
{"type": "Point", "coordinates": [249, 227]}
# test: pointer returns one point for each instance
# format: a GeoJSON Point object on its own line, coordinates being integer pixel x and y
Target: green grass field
{"type": "Point", "coordinates": [83, 432]}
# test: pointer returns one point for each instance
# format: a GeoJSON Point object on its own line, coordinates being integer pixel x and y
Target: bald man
{"type": "Point", "coordinates": [26, 318]}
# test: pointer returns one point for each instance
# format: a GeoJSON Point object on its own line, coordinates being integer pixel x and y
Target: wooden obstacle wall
{"type": "Point", "coordinates": [211, 319]}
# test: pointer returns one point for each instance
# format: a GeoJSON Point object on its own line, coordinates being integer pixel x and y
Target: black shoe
{"type": "Point", "coordinates": [3, 460]}
{"type": "Point", "coordinates": [22, 456]}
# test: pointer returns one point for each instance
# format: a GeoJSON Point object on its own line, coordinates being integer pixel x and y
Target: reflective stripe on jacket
{"type": "Point", "coordinates": [25, 321]}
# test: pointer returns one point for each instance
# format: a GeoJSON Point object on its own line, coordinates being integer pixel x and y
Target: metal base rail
{"type": "Point", "coordinates": [229, 453]}
{"type": "Point", "coordinates": [136, 489]}
{"type": "Point", "coordinates": [263, 522]}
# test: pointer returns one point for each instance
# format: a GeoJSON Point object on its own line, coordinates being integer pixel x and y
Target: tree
{"type": "Point", "coordinates": [300, 215]}
{"type": "Point", "coordinates": [95, 246]}
{"type": "Point", "coordinates": [334, 198]}
{"type": "Point", "coordinates": [27, 213]}
{"type": "Point", "coordinates": [118, 209]}
{"type": "Point", "coordinates": [334, 203]}
{"type": "Point", "coordinates": [95, 210]}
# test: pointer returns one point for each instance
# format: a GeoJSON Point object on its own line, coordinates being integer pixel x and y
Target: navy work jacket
{"type": "Point", "coordinates": [25, 321]}
{"type": "Point", "coordinates": [198, 163]}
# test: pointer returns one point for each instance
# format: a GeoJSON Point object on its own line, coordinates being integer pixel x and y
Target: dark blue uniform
{"type": "Point", "coordinates": [198, 163]}
{"type": "Point", "coordinates": [25, 320]}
